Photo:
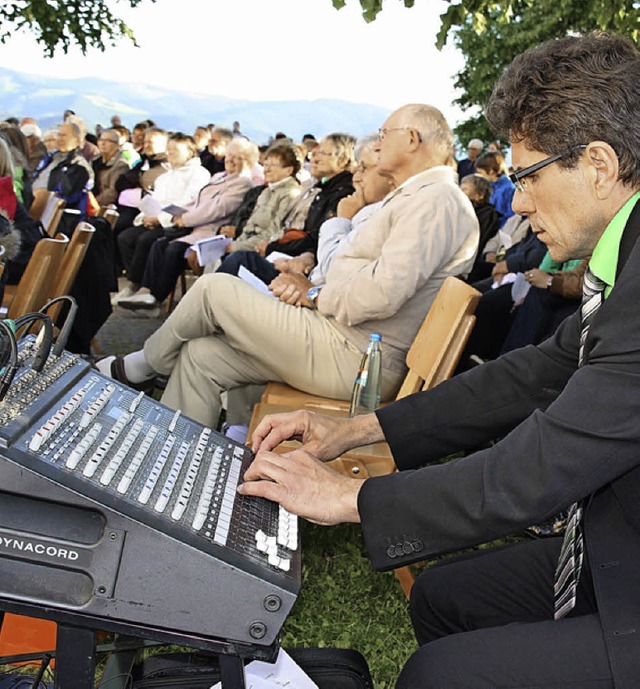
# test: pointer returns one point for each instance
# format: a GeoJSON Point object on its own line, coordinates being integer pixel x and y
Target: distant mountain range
{"type": "Point", "coordinates": [96, 100]}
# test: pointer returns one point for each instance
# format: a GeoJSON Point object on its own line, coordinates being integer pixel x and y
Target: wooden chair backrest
{"type": "Point", "coordinates": [52, 214]}
{"type": "Point", "coordinates": [111, 216]}
{"type": "Point", "coordinates": [437, 347]}
{"type": "Point", "coordinates": [40, 198]}
{"type": "Point", "coordinates": [70, 264]}
{"type": "Point", "coordinates": [34, 288]}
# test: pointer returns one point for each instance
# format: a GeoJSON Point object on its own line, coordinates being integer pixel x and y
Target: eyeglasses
{"type": "Point", "coordinates": [518, 178]}
{"type": "Point", "coordinates": [383, 131]}
{"type": "Point", "coordinates": [267, 166]}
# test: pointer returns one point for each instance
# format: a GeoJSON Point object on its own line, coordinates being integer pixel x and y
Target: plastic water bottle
{"type": "Point", "coordinates": [365, 397]}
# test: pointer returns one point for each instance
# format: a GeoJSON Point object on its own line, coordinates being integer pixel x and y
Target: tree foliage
{"type": "Point", "coordinates": [491, 44]}
{"type": "Point", "coordinates": [62, 23]}
{"type": "Point", "coordinates": [490, 33]}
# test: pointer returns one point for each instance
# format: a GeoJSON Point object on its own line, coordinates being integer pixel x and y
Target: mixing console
{"type": "Point", "coordinates": [175, 546]}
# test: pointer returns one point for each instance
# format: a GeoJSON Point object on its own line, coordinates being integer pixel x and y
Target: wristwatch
{"type": "Point", "coordinates": [549, 281]}
{"type": "Point", "coordinates": [312, 296]}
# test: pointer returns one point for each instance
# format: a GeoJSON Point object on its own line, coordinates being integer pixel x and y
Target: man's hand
{"type": "Point", "coordinates": [177, 221]}
{"type": "Point", "coordinates": [350, 205]}
{"type": "Point", "coordinates": [301, 264]}
{"type": "Point", "coordinates": [291, 288]}
{"type": "Point", "coordinates": [150, 222]}
{"type": "Point", "coordinates": [325, 437]}
{"type": "Point", "coordinates": [303, 485]}
{"type": "Point", "coordinates": [499, 271]}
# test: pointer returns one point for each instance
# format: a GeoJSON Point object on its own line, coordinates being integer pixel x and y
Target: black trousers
{"type": "Point", "coordinates": [485, 621]}
{"type": "Point", "coordinates": [537, 318]}
{"type": "Point", "coordinates": [165, 263]}
{"type": "Point", "coordinates": [251, 260]}
{"type": "Point", "coordinates": [134, 245]}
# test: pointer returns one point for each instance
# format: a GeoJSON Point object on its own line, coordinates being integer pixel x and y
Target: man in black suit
{"type": "Point", "coordinates": [568, 415]}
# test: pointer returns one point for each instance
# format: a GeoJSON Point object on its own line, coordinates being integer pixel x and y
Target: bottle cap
{"type": "Point", "coordinates": [374, 337]}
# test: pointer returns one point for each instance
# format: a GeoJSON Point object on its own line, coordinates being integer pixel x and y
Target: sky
{"type": "Point", "coordinates": [270, 50]}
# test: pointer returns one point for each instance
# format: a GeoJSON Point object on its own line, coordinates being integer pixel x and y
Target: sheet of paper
{"type": "Point", "coordinates": [211, 250]}
{"type": "Point", "coordinates": [274, 255]}
{"type": "Point", "coordinates": [283, 673]}
{"type": "Point", "coordinates": [520, 288]}
{"type": "Point", "coordinates": [254, 281]}
{"type": "Point", "coordinates": [172, 209]}
{"type": "Point", "coordinates": [150, 206]}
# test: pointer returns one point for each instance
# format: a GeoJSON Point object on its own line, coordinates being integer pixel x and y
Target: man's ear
{"type": "Point", "coordinates": [604, 167]}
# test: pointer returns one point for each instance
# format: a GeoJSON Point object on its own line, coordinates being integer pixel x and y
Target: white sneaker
{"type": "Point", "coordinates": [122, 294]}
{"type": "Point", "coordinates": [139, 301]}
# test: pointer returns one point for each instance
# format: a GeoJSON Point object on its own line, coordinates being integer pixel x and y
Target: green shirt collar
{"type": "Point", "coordinates": [604, 260]}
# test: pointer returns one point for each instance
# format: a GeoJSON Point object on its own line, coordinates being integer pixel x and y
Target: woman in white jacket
{"type": "Point", "coordinates": [178, 186]}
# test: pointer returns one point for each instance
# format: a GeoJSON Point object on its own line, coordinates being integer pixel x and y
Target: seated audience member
{"type": "Point", "coordinates": [66, 171]}
{"type": "Point", "coordinates": [558, 422]}
{"type": "Point", "coordinates": [467, 166]}
{"type": "Point", "coordinates": [333, 162]}
{"type": "Point", "coordinates": [290, 282]}
{"type": "Point", "coordinates": [25, 232]}
{"type": "Point", "coordinates": [226, 335]}
{"type": "Point", "coordinates": [108, 168]}
{"type": "Point", "coordinates": [22, 173]}
{"type": "Point", "coordinates": [214, 207]}
{"type": "Point", "coordinates": [141, 179]}
{"type": "Point", "coordinates": [35, 144]}
{"type": "Point", "coordinates": [274, 203]}
{"type": "Point", "coordinates": [50, 141]}
{"type": "Point", "coordinates": [127, 151]}
{"type": "Point", "coordinates": [201, 136]}
{"type": "Point", "coordinates": [478, 189]}
{"type": "Point", "coordinates": [179, 186]}
{"type": "Point", "coordinates": [213, 157]}
{"type": "Point", "coordinates": [555, 293]}
{"type": "Point", "coordinates": [493, 167]}
{"type": "Point", "coordinates": [137, 136]}
{"type": "Point", "coordinates": [89, 149]}
{"type": "Point", "coordinates": [370, 188]}
{"type": "Point", "coordinates": [513, 231]}
{"type": "Point", "coordinates": [495, 310]}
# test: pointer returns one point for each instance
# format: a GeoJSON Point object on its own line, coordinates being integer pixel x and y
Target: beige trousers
{"type": "Point", "coordinates": [225, 335]}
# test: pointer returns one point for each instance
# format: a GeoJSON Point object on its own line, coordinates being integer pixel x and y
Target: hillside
{"type": "Point", "coordinates": [97, 100]}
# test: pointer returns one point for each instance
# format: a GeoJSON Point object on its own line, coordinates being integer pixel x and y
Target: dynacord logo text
{"type": "Point", "coordinates": [25, 546]}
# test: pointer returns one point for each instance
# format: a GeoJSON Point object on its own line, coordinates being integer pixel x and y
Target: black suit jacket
{"type": "Point", "coordinates": [567, 433]}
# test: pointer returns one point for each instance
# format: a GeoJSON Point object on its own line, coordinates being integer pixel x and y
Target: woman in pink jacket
{"type": "Point", "coordinates": [213, 208]}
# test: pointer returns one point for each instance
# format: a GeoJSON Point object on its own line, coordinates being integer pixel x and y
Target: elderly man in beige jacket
{"type": "Point", "coordinates": [225, 334]}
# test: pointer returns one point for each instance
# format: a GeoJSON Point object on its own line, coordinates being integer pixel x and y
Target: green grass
{"type": "Point", "coordinates": [345, 604]}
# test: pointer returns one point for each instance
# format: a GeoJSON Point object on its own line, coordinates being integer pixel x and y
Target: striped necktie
{"type": "Point", "coordinates": [572, 552]}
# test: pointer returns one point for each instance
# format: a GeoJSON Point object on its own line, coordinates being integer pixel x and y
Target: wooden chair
{"type": "Point", "coordinates": [70, 265]}
{"type": "Point", "coordinates": [34, 288]}
{"type": "Point", "coordinates": [40, 198]}
{"type": "Point", "coordinates": [51, 214]}
{"type": "Point", "coordinates": [110, 214]}
{"type": "Point", "coordinates": [431, 359]}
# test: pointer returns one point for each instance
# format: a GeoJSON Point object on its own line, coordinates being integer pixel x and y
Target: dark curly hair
{"type": "Point", "coordinates": [286, 153]}
{"type": "Point", "coordinates": [571, 91]}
